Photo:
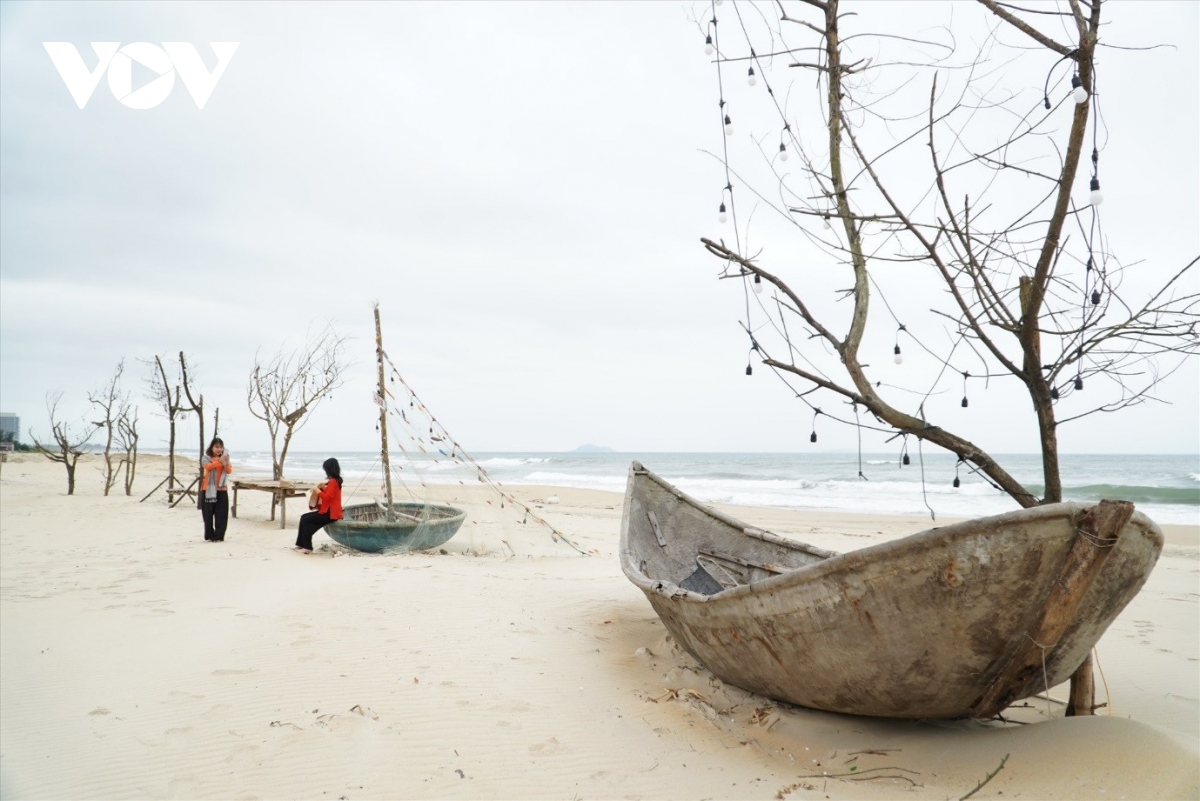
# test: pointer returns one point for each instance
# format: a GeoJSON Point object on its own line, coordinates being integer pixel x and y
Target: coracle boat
{"type": "Point", "coordinates": [411, 527]}
{"type": "Point", "coordinates": [957, 621]}
{"type": "Point", "coordinates": [392, 527]}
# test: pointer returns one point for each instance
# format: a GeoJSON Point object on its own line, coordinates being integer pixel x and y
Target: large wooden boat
{"type": "Point", "coordinates": [957, 621]}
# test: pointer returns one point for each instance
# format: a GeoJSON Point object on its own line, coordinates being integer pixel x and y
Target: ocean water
{"type": "Point", "coordinates": [1167, 488]}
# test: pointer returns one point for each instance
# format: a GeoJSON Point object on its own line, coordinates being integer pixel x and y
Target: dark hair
{"type": "Point", "coordinates": [333, 469]}
{"type": "Point", "coordinates": [216, 441]}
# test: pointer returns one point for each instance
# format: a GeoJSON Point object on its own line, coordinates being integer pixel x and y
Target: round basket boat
{"type": "Point", "coordinates": [411, 527]}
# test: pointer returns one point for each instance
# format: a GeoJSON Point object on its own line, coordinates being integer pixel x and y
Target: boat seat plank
{"type": "Point", "coordinates": [657, 531]}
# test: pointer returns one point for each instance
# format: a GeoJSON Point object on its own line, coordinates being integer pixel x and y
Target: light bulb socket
{"type": "Point", "coordinates": [1076, 83]}
{"type": "Point", "coordinates": [812, 437]}
{"type": "Point", "coordinates": [957, 483]}
{"type": "Point", "coordinates": [1095, 297]}
{"type": "Point", "coordinates": [1079, 382]}
{"type": "Point", "coordinates": [906, 460]}
{"type": "Point", "coordinates": [1095, 184]}
{"type": "Point", "coordinates": [896, 350]}
{"type": "Point", "coordinates": [965, 402]}
{"type": "Point", "coordinates": [749, 370]}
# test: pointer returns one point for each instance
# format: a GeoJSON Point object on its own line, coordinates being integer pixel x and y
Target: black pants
{"type": "Point", "coordinates": [216, 516]}
{"type": "Point", "coordinates": [310, 523]}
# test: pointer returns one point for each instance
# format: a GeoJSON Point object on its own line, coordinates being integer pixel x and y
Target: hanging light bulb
{"type": "Point", "coordinates": [812, 437]}
{"type": "Point", "coordinates": [1053, 393]}
{"type": "Point", "coordinates": [957, 483]}
{"type": "Point", "coordinates": [1078, 382]}
{"type": "Point", "coordinates": [1095, 297]}
{"type": "Point", "coordinates": [721, 215]}
{"type": "Point", "coordinates": [708, 46]}
{"type": "Point", "coordinates": [906, 460]}
{"type": "Point", "coordinates": [728, 126]}
{"type": "Point", "coordinates": [749, 370]}
{"type": "Point", "coordinates": [1078, 93]}
{"type": "Point", "coordinates": [757, 284]}
{"type": "Point", "coordinates": [783, 154]}
{"type": "Point", "coordinates": [897, 358]}
{"type": "Point", "coordinates": [965, 403]}
{"type": "Point", "coordinates": [750, 79]}
{"type": "Point", "coordinates": [826, 224]}
{"type": "Point", "coordinates": [1097, 197]}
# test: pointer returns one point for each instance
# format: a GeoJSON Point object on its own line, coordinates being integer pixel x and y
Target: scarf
{"type": "Point", "coordinates": [218, 478]}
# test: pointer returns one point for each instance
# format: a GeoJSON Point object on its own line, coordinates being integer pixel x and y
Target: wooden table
{"type": "Point", "coordinates": [280, 490]}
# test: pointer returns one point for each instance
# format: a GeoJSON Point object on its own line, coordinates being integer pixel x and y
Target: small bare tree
{"type": "Point", "coordinates": [68, 441]}
{"type": "Point", "coordinates": [282, 391]}
{"type": "Point", "coordinates": [113, 406]}
{"type": "Point", "coordinates": [167, 398]}
{"type": "Point", "coordinates": [127, 439]}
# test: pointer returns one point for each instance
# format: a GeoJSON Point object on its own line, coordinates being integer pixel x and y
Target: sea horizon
{"type": "Point", "coordinates": [1164, 486]}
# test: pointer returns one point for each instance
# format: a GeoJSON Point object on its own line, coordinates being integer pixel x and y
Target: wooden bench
{"type": "Point", "coordinates": [280, 490]}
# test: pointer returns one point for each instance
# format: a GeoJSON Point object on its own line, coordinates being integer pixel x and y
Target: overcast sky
{"type": "Point", "coordinates": [522, 188]}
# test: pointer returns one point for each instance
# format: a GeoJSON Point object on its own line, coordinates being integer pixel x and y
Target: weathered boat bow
{"type": "Point", "coordinates": [956, 621]}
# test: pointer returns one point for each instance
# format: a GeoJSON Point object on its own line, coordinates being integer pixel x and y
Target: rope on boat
{"type": "Point", "coordinates": [460, 455]}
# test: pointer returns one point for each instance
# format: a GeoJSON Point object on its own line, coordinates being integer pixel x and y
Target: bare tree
{"type": "Point", "coordinates": [127, 439]}
{"type": "Point", "coordinates": [113, 406]}
{"type": "Point", "coordinates": [933, 173]}
{"type": "Point", "coordinates": [68, 441]}
{"type": "Point", "coordinates": [166, 396]}
{"type": "Point", "coordinates": [285, 389]}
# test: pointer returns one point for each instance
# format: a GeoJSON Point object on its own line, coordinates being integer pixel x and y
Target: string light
{"type": "Point", "coordinates": [1078, 93]}
{"type": "Point", "coordinates": [708, 46]}
{"type": "Point", "coordinates": [896, 357]}
{"type": "Point", "coordinates": [1095, 198]}
{"type": "Point", "coordinates": [758, 286]}
{"type": "Point", "coordinates": [750, 79]}
{"type": "Point", "coordinates": [1095, 297]}
{"type": "Point", "coordinates": [813, 436]}
{"type": "Point", "coordinates": [728, 126]}
{"type": "Point", "coordinates": [749, 369]}
{"type": "Point", "coordinates": [1054, 393]}
{"type": "Point", "coordinates": [965, 403]}
{"type": "Point", "coordinates": [957, 483]}
{"type": "Point", "coordinates": [825, 224]}
{"type": "Point", "coordinates": [783, 154]}
{"type": "Point", "coordinates": [721, 215]}
{"type": "Point", "coordinates": [1078, 382]}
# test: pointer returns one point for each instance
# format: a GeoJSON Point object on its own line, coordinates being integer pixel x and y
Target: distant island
{"type": "Point", "coordinates": [593, 449]}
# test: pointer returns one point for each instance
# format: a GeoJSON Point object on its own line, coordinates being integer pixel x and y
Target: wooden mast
{"type": "Point", "coordinates": [382, 400]}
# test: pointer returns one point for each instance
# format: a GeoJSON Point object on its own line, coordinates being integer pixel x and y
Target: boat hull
{"type": "Point", "coordinates": [920, 627]}
{"type": "Point", "coordinates": [420, 527]}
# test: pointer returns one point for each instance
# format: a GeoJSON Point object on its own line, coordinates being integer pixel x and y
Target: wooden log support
{"type": "Point", "coordinates": [1083, 691]}
{"type": "Point", "coordinates": [1097, 531]}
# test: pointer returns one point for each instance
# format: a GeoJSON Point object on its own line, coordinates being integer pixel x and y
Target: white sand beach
{"type": "Point", "coordinates": [138, 661]}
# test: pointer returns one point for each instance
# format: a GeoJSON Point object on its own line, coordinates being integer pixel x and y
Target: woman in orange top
{"type": "Point", "coordinates": [214, 495]}
{"type": "Point", "coordinates": [326, 501]}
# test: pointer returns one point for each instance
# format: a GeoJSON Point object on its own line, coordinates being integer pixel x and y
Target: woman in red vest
{"type": "Point", "coordinates": [325, 500]}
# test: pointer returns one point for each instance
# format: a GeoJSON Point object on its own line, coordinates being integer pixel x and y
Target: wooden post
{"type": "Point", "coordinates": [1083, 690]}
{"type": "Point", "coordinates": [383, 440]}
{"type": "Point", "coordinates": [1097, 531]}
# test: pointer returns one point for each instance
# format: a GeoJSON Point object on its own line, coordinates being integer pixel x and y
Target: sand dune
{"type": "Point", "coordinates": [139, 661]}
